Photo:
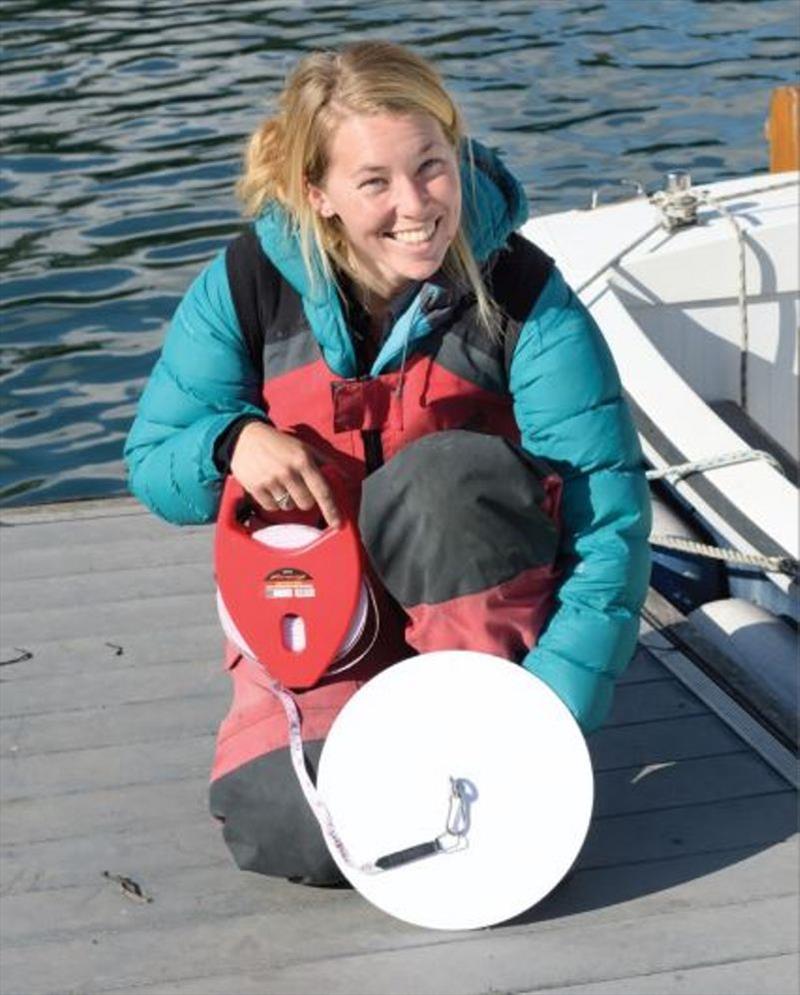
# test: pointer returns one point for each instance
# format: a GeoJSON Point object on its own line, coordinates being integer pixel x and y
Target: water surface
{"type": "Point", "coordinates": [123, 125]}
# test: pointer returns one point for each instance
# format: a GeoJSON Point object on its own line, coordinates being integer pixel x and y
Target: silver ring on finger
{"type": "Point", "coordinates": [283, 501]}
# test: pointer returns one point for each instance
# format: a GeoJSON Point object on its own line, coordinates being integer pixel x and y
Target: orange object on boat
{"type": "Point", "coordinates": [783, 129]}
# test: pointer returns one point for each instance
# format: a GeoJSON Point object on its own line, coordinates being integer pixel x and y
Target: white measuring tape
{"type": "Point", "coordinates": [294, 536]}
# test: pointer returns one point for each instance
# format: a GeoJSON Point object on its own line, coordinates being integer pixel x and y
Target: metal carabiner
{"type": "Point", "coordinates": [462, 794]}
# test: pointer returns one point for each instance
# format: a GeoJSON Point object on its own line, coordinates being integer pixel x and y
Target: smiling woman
{"type": "Point", "coordinates": [365, 140]}
{"type": "Point", "coordinates": [381, 318]}
{"type": "Point", "coordinates": [392, 185]}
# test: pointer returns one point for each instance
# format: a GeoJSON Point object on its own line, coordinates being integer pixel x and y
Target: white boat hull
{"type": "Point", "coordinates": [668, 308]}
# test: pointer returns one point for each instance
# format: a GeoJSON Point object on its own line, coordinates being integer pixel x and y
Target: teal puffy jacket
{"type": "Point", "coordinates": [567, 403]}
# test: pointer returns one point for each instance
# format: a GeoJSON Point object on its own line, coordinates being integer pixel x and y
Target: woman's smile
{"type": "Point", "coordinates": [420, 235]}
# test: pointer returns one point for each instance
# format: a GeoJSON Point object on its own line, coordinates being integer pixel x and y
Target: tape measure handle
{"type": "Point", "coordinates": [233, 494]}
{"type": "Point", "coordinates": [409, 855]}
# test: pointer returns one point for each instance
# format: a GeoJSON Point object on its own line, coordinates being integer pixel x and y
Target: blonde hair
{"type": "Point", "coordinates": [290, 149]}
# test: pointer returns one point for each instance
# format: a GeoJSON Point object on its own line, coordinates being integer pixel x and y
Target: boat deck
{"type": "Point", "coordinates": [687, 883]}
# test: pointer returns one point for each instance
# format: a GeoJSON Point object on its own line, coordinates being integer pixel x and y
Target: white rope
{"type": "Point", "coordinates": [769, 564]}
{"type": "Point", "coordinates": [681, 470]}
{"type": "Point", "coordinates": [747, 193]}
{"type": "Point", "coordinates": [744, 330]}
{"type": "Point", "coordinates": [682, 208]}
{"type": "Point", "coordinates": [612, 262]}
{"type": "Point", "coordinates": [680, 211]}
{"type": "Point", "coordinates": [655, 200]}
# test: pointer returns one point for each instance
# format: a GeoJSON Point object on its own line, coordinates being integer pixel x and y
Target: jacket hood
{"type": "Point", "coordinates": [493, 206]}
{"type": "Point", "coordinates": [493, 202]}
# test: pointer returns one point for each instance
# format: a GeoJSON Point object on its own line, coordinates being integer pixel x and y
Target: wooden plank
{"type": "Point", "coordinates": [69, 533]}
{"type": "Point", "coordinates": [117, 506]}
{"type": "Point", "coordinates": [77, 590]}
{"type": "Point", "coordinates": [683, 782]}
{"type": "Point", "coordinates": [720, 826]}
{"type": "Point", "coordinates": [189, 700]}
{"type": "Point", "coordinates": [661, 741]}
{"type": "Point", "coordinates": [61, 694]}
{"type": "Point", "coordinates": [713, 827]}
{"type": "Point", "coordinates": [678, 642]}
{"type": "Point", "coordinates": [158, 844]}
{"type": "Point", "coordinates": [34, 562]}
{"type": "Point", "coordinates": [642, 668]}
{"type": "Point", "coordinates": [512, 961]}
{"type": "Point", "coordinates": [160, 613]}
{"type": "Point", "coordinates": [84, 692]}
{"type": "Point", "coordinates": [215, 888]}
{"type": "Point", "coordinates": [153, 853]}
{"type": "Point", "coordinates": [92, 768]}
{"type": "Point", "coordinates": [345, 947]}
{"type": "Point", "coordinates": [186, 715]}
{"type": "Point", "coordinates": [126, 806]}
{"type": "Point", "coordinates": [623, 789]}
{"type": "Point", "coordinates": [657, 700]}
{"type": "Point", "coordinates": [175, 720]}
{"type": "Point", "coordinates": [125, 958]}
{"type": "Point", "coordinates": [201, 641]}
{"type": "Point", "coordinates": [763, 976]}
{"type": "Point", "coordinates": [711, 879]}
{"type": "Point", "coordinates": [93, 655]}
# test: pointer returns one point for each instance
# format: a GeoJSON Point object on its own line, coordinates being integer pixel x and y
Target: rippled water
{"type": "Point", "coordinates": [123, 124]}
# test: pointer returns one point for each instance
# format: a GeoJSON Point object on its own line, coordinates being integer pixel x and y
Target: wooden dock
{"type": "Point", "coordinates": [111, 693]}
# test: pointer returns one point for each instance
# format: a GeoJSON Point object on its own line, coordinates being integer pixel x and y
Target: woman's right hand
{"type": "Point", "coordinates": [270, 465]}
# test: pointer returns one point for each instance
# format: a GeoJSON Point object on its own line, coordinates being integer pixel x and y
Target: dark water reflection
{"type": "Point", "coordinates": [123, 125]}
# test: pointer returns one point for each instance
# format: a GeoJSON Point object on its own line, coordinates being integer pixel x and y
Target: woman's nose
{"type": "Point", "coordinates": [412, 197]}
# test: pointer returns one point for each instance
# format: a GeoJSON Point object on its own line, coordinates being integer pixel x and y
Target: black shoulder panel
{"type": "Point", "coordinates": [516, 279]}
{"type": "Point", "coordinates": [265, 303]}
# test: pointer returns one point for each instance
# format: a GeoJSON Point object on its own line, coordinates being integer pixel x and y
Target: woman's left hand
{"type": "Point", "coordinates": [281, 472]}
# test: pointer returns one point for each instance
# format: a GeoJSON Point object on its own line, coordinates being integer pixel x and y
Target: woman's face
{"type": "Point", "coordinates": [393, 182]}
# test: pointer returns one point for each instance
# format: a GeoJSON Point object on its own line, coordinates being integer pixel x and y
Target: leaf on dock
{"type": "Point", "coordinates": [130, 888]}
{"type": "Point", "coordinates": [23, 656]}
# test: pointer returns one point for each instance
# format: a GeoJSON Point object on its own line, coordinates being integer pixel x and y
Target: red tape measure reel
{"type": "Point", "coordinates": [269, 592]}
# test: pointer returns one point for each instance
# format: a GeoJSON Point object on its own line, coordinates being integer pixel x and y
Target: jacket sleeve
{"type": "Point", "coordinates": [203, 381]}
{"type": "Point", "coordinates": [570, 410]}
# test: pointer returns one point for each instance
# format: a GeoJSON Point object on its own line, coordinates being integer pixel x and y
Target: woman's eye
{"type": "Point", "coordinates": [374, 183]}
{"type": "Point", "coordinates": [430, 165]}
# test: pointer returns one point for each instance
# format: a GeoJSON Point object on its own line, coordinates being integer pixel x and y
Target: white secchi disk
{"type": "Point", "coordinates": [385, 777]}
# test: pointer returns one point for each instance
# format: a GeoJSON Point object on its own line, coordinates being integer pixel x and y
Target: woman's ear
{"type": "Point", "coordinates": [318, 200]}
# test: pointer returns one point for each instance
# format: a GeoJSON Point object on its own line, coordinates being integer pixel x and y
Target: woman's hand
{"type": "Point", "coordinates": [281, 472]}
